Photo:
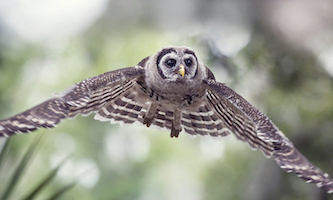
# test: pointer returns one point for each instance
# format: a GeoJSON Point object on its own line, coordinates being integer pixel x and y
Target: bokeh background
{"type": "Point", "coordinates": [276, 54]}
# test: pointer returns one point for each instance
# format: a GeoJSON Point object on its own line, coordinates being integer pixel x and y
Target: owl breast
{"type": "Point", "coordinates": [179, 96]}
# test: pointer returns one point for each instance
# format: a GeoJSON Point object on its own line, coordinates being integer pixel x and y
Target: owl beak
{"type": "Point", "coordinates": [181, 70]}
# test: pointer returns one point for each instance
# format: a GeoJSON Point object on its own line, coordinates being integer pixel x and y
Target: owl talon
{"type": "Point", "coordinates": [175, 132]}
{"type": "Point", "coordinates": [147, 121]}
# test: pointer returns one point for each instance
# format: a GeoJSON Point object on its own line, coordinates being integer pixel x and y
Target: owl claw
{"type": "Point", "coordinates": [175, 132]}
{"type": "Point", "coordinates": [147, 121]}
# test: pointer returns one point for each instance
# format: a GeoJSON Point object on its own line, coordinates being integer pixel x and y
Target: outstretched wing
{"type": "Point", "coordinates": [87, 96]}
{"type": "Point", "coordinates": [252, 126]}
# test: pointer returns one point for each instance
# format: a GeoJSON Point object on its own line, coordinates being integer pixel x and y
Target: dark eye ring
{"type": "Point", "coordinates": [188, 62]}
{"type": "Point", "coordinates": [171, 62]}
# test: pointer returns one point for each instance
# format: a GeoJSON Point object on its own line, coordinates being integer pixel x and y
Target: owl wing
{"type": "Point", "coordinates": [89, 95]}
{"type": "Point", "coordinates": [252, 126]}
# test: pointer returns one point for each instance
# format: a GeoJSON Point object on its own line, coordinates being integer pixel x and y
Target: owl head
{"type": "Point", "coordinates": [175, 68]}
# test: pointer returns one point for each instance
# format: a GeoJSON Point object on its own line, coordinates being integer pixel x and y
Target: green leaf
{"type": "Point", "coordinates": [45, 182]}
{"type": "Point", "coordinates": [19, 172]}
{"type": "Point", "coordinates": [60, 192]}
{"type": "Point", "coordinates": [4, 152]}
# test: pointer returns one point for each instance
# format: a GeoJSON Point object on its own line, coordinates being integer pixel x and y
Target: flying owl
{"type": "Point", "coordinates": [170, 89]}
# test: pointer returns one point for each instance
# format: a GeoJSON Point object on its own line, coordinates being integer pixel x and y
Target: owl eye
{"type": "Point", "coordinates": [188, 62]}
{"type": "Point", "coordinates": [171, 62]}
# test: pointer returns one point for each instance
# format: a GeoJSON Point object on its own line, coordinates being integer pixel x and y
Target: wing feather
{"type": "Point", "coordinates": [204, 121]}
{"type": "Point", "coordinates": [123, 108]}
{"type": "Point", "coordinates": [87, 96]}
{"type": "Point", "coordinates": [252, 126]}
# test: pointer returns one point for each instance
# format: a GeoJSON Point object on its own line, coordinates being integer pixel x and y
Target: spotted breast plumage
{"type": "Point", "coordinates": [170, 89]}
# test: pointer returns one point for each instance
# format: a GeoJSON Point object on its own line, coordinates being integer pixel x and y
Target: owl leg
{"type": "Point", "coordinates": [149, 116]}
{"type": "Point", "coordinates": [176, 127]}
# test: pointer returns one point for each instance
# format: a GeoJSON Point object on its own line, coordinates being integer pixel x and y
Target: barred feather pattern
{"type": "Point", "coordinates": [126, 109]}
{"type": "Point", "coordinates": [45, 115]}
{"type": "Point", "coordinates": [263, 134]}
{"type": "Point", "coordinates": [204, 121]}
{"type": "Point", "coordinates": [99, 98]}
{"type": "Point", "coordinates": [87, 96]}
{"type": "Point", "coordinates": [291, 160]}
{"type": "Point", "coordinates": [238, 123]}
{"type": "Point", "coordinates": [123, 109]}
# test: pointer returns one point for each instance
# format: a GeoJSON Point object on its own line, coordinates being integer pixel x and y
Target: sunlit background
{"type": "Point", "coordinates": [276, 54]}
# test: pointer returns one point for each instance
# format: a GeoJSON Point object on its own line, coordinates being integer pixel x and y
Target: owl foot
{"type": "Point", "coordinates": [148, 121]}
{"type": "Point", "coordinates": [176, 127]}
{"type": "Point", "coordinates": [175, 132]}
{"type": "Point", "coordinates": [149, 116]}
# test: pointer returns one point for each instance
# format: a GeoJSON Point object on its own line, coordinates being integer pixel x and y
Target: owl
{"type": "Point", "coordinates": [173, 90]}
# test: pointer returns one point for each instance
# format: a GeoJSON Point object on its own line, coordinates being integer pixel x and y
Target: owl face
{"type": "Point", "coordinates": [175, 70]}
{"type": "Point", "coordinates": [177, 64]}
